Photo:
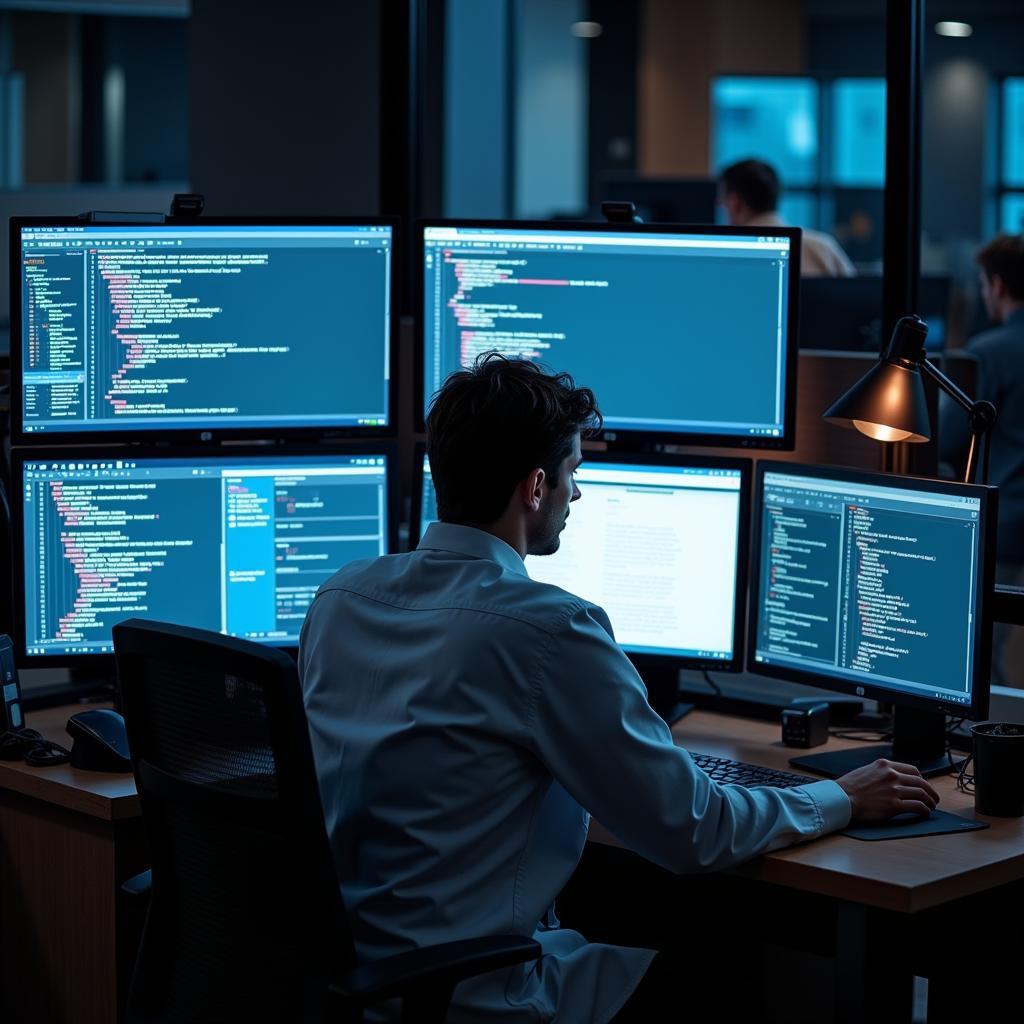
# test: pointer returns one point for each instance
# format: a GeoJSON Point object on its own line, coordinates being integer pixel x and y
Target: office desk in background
{"type": "Point", "coordinates": [68, 839]}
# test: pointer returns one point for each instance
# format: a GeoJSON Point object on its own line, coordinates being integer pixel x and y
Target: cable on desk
{"type": "Point", "coordinates": [715, 688]}
{"type": "Point", "coordinates": [885, 735]}
{"type": "Point", "coordinates": [951, 731]}
{"type": "Point", "coordinates": [862, 735]}
{"type": "Point", "coordinates": [27, 744]}
{"type": "Point", "coordinates": [964, 780]}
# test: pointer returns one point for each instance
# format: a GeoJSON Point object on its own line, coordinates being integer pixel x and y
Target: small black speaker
{"type": "Point", "coordinates": [805, 725]}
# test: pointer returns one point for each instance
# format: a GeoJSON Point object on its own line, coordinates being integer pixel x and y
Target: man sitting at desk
{"type": "Point", "coordinates": [467, 720]}
{"type": "Point", "coordinates": [749, 191]}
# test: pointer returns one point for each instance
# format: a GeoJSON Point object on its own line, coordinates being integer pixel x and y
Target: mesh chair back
{"type": "Point", "coordinates": [246, 919]}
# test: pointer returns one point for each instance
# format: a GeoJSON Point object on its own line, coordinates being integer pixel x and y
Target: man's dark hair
{"type": "Point", "coordinates": [490, 426]}
{"type": "Point", "coordinates": [1004, 257]}
{"type": "Point", "coordinates": [755, 182]}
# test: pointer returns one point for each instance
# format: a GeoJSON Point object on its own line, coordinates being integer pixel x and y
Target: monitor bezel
{"type": "Point", "coordinates": [214, 433]}
{"type": "Point", "coordinates": [646, 661]}
{"type": "Point", "coordinates": [978, 708]}
{"type": "Point", "coordinates": [103, 664]}
{"type": "Point", "coordinates": [620, 439]}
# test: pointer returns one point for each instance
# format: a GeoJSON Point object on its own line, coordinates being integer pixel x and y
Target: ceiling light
{"type": "Point", "coordinates": [586, 29]}
{"type": "Point", "coordinates": [957, 29]}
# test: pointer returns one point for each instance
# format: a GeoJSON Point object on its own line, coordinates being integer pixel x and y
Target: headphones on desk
{"type": "Point", "coordinates": [28, 744]}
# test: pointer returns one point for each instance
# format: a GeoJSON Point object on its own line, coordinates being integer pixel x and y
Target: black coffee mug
{"type": "Point", "coordinates": [999, 769]}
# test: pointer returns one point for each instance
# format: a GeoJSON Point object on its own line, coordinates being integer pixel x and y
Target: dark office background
{"type": "Point", "coordinates": [517, 108]}
{"type": "Point", "coordinates": [510, 108]}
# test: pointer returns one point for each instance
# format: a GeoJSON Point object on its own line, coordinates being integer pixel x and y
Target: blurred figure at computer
{"type": "Point", "coordinates": [1000, 355]}
{"type": "Point", "coordinates": [749, 192]}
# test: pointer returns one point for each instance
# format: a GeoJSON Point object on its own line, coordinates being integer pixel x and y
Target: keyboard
{"type": "Point", "coordinates": [727, 772]}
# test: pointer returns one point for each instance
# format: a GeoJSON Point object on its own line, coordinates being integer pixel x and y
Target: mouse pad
{"type": "Point", "coordinates": [905, 825]}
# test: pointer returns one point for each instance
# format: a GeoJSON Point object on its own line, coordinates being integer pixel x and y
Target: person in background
{"type": "Point", "coordinates": [749, 192]}
{"type": "Point", "coordinates": [1000, 355]}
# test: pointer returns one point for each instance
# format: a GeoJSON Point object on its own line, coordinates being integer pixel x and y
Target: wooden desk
{"type": "Point", "coordinates": [68, 839]}
{"type": "Point", "coordinates": [878, 888]}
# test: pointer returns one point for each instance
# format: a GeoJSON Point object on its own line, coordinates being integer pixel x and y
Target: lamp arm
{"type": "Point", "coordinates": [982, 414]}
{"type": "Point", "coordinates": [960, 397]}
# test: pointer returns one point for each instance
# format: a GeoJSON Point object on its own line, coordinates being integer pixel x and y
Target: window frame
{"type": "Point", "coordinates": [824, 190]}
{"type": "Point", "coordinates": [1001, 189]}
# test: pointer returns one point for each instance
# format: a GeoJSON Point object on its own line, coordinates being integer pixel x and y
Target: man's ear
{"type": "Point", "coordinates": [533, 488]}
{"type": "Point", "coordinates": [997, 286]}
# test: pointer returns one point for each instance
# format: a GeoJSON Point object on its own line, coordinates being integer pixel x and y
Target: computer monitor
{"type": "Point", "coordinates": [687, 334]}
{"type": "Point", "coordinates": [197, 329]}
{"type": "Point", "coordinates": [233, 543]}
{"type": "Point", "coordinates": [877, 586]}
{"type": "Point", "coordinates": [661, 545]}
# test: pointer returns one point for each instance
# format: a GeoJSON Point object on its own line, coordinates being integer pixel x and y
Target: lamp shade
{"type": "Point", "coordinates": [888, 403]}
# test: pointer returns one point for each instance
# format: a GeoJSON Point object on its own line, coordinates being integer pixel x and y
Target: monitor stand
{"type": "Point", "coordinates": [918, 738]}
{"type": "Point", "coordinates": [663, 692]}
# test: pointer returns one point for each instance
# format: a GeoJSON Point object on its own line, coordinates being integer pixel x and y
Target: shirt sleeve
{"type": "Point", "coordinates": [593, 728]}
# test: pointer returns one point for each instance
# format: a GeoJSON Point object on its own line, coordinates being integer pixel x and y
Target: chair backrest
{"type": "Point", "coordinates": [246, 919]}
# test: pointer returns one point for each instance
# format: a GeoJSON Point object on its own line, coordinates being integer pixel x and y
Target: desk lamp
{"type": "Point", "coordinates": [888, 402]}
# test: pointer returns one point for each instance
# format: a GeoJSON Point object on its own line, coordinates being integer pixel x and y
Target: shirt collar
{"type": "Point", "coordinates": [468, 540]}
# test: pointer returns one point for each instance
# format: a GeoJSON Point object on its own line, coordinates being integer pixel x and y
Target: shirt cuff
{"type": "Point", "coordinates": [832, 803]}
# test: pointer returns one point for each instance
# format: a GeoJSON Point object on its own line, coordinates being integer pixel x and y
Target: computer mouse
{"type": "Point", "coordinates": [101, 743]}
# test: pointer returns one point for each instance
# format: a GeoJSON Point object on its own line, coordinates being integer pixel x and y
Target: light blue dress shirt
{"type": "Point", "coordinates": [465, 719]}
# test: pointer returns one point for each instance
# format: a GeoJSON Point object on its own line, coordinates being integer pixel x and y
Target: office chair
{"type": "Point", "coordinates": [246, 920]}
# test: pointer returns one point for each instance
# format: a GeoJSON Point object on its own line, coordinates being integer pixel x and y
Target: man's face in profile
{"type": "Point", "coordinates": [554, 511]}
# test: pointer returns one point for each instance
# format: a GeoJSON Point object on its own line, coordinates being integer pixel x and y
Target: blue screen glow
{"type": "Point", "coordinates": [235, 545]}
{"type": "Point", "coordinates": [204, 327]}
{"type": "Point", "coordinates": [642, 318]}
